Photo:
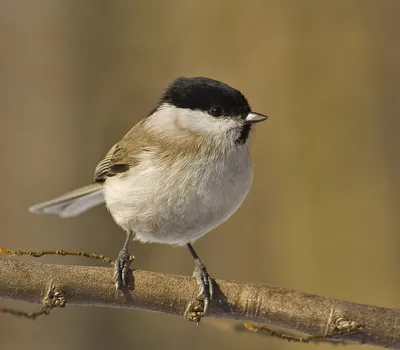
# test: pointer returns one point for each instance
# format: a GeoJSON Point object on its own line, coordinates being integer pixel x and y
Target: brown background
{"type": "Point", "coordinates": [323, 213]}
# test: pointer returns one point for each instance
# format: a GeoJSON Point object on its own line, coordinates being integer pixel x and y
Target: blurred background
{"type": "Point", "coordinates": [323, 213]}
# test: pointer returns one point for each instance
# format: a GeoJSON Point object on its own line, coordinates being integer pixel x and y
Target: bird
{"type": "Point", "coordinates": [179, 173]}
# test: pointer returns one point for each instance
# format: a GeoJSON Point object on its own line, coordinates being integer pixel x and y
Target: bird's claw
{"type": "Point", "coordinates": [121, 270]}
{"type": "Point", "coordinates": [206, 285]}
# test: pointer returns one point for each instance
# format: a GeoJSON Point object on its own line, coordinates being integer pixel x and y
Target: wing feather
{"type": "Point", "coordinates": [122, 156]}
{"type": "Point", "coordinates": [104, 167]}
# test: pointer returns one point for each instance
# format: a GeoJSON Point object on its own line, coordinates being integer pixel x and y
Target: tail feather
{"type": "Point", "coordinates": [72, 203]}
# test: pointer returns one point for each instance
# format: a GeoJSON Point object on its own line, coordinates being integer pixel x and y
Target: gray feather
{"type": "Point", "coordinates": [72, 203]}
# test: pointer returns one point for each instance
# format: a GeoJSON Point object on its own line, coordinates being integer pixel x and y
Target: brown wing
{"type": "Point", "coordinates": [105, 167]}
{"type": "Point", "coordinates": [121, 156]}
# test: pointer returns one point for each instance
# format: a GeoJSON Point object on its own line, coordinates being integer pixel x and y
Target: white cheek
{"type": "Point", "coordinates": [179, 121]}
{"type": "Point", "coordinates": [202, 122]}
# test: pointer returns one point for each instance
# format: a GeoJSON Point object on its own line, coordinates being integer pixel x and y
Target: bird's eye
{"type": "Point", "coordinates": [216, 111]}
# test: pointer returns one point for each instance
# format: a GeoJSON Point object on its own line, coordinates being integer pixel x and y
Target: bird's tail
{"type": "Point", "coordinates": [72, 203]}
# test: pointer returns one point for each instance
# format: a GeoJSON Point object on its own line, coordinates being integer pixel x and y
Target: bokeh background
{"type": "Point", "coordinates": [323, 213]}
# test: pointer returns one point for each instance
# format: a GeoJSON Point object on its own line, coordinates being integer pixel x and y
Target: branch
{"type": "Point", "coordinates": [254, 302]}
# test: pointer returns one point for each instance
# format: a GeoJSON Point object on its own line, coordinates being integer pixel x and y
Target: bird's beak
{"type": "Point", "coordinates": [254, 117]}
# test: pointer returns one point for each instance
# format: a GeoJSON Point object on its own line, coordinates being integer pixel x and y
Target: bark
{"type": "Point", "coordinates": [254, 302]}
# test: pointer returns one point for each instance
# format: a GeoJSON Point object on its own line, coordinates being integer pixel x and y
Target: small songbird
{"type": "Point", "coordinates": [176, 175]}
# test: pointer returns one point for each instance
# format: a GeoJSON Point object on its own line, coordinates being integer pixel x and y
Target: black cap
{"type": "Point", "coordinates": [199, 93]}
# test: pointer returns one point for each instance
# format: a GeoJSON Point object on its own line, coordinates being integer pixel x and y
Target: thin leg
{"type": "Point", "coordinates": [204, 280]}
{"type": "Point", "coordinates": [122, 264]}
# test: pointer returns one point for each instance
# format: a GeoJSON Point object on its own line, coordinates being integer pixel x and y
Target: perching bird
{"type": "Point", "coordinates": [176, 175]}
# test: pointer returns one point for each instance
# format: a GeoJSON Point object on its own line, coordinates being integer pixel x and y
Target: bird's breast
{"type": "Point", "coordinates": [178, 202]}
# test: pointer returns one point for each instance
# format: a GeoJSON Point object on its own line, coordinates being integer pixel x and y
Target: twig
{"type": "Point", "coordinates": [39, 254]}
{"type": "Point", "coordinates": [52, 299]}
{"type": "Point", "coordinates": [342, 327]}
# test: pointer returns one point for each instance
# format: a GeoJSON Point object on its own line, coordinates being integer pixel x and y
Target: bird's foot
{"type": "Point", "coordinates": [198, 309]}
{"type": "Point", "coordinates": [205, 283]}
{"type": "Point", "coordinates": [122, 277]}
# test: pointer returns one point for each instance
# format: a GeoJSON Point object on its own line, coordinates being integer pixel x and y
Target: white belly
{"type": "Point", "coordinates": [179, 203]}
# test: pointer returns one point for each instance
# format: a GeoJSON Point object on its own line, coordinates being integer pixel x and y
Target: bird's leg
{"type": "Point", "coordinates": [121, 269]}
{"type": "Point", "coordinates": [203, 279]}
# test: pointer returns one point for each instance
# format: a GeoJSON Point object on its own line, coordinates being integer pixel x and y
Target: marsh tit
{"type": "Point", "coordinates": [176, 175]}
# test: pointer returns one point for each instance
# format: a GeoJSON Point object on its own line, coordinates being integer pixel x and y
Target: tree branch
{"type": "Point", "coordinates": [255, 302]}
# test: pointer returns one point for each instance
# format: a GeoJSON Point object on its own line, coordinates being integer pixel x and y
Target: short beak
{"type": "Point", "coordinates": [254, 117]}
